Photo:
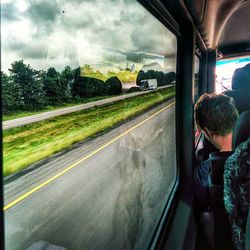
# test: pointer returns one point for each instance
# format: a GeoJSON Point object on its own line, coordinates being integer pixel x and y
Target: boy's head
{"type": "Point", "coordinates": [215, 115]}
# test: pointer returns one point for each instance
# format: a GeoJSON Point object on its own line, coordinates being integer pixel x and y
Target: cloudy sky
{"type": "Point", "coordinates": [57, 33]}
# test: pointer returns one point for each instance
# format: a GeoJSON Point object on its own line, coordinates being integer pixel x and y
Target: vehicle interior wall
{"type": "Point", "coordinates": [235, 45]}
{"type": "Point", "coordinates": [213, 22]}
{"type": "Point", "coordinates": [180, 228]}
{"type": "Point", "coordinates": [235, 36]}
{"type": "Point", "coordinates": [183, 222]}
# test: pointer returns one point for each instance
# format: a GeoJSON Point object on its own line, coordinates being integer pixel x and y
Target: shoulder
{"type": "Point", "coordinates": [201, 173]}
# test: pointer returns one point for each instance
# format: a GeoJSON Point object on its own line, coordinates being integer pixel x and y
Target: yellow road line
{"type": "Point", "coordinates": [22, 197]}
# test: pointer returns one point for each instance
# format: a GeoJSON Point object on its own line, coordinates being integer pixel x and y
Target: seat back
{"type": "Point", "coordinates": [241, 78]}
{"type": "Point", "coordinates": [216, 182]}
{"type": "Point", "coordinates": [222, 233]}
{"type": "Point", "coordinates": [241, 88]}
{"type": "Point", "coordinates": [247, 243]}
{"type": "Point", "coordinates": [242, 129]}
{"type": "Point", "coordinates": [241, 99]}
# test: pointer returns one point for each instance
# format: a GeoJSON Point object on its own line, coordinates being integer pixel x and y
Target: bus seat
{"type": "Point", "coordinates": [241, 78]}
{"type": "Point", "coordinates": [241, 99]}
{"type": "Point", "coordinates": [247, 243]}
{"type": "Point", "coordinates": [242, 129]}
{"type": "Point", "coordinates": [222, 233]}
{"type": "Point", "coordinates": [204, 149]}
{"type": "Point", "coordinates": [216, 182]}
{"type": "Point", "coordinates": [241, 88]}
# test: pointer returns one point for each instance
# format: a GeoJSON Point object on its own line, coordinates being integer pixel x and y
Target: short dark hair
{"type": "Point", "coordinates": [216, 112]}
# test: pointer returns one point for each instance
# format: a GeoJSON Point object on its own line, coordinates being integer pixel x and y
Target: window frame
{"type": "Point", "coordinates": [158, 10]}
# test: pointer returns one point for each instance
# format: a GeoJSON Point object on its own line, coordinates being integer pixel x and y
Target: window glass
{"type": "Point", "coordinates": [225, 70]}
{"type": "Point", "coordinates": [89, 123]}
{"type": "Point", "coordinates": [196, 77]}
{"type": "Point", "coordinates": [196, 90]}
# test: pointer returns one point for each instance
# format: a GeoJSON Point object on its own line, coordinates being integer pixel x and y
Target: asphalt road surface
{"type": "Point", "coordinates": [46, 115]}
{"type": "Point", "coordinates": [111, 198]}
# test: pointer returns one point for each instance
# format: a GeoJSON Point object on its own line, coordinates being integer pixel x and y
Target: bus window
{"type": "Point", "coordinates": [225, 70]}
{"type": "Point", "coordinates": [196, 78]}
{"type": "Point", "coordinates": [196, 90]}
{"type": "Point", "coordinates": [101, 176]}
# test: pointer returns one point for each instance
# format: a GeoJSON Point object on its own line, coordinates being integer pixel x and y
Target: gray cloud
{"type": "Point", "coordinates": [34, 51]}
{"type": "Point", "coordinates": [9, 12]}
{"type": "Point", "coordinates": [43, 14]}
{"type": "Point", "coordinates": [14, 45]}
{"type": "Point", "coordinates": [43, 11]}
{"type": "Point", "coordinates": [80, 31]}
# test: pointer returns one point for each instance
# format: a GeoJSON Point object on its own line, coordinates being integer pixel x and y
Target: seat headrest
{"type": "Point", "coordinates": [241, 99]}
{"type": "Point", "coordinates": [242, 129]}
{"type": "Point", "coordinates": [241, 78]}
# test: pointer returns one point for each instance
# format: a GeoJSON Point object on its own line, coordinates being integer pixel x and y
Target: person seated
{"type": "Point", "coordinates": [237, 192]}
{"type": "Point", "coordinates": [215, 116]}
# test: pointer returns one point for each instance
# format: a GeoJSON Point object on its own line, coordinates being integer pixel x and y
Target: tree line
{"type": "Point", "coordinates": [162, 78]}
{"type": "Point", "coordinates": [26, 88]}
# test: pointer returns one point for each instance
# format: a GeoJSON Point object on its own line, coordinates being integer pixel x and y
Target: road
{"type": "Point", "coordinates": [46, 115]}
{"type": "Point", "coordinates": [112, 198]}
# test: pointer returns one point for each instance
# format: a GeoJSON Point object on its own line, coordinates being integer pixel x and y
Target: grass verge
{"type": "Point", "coordinates": [25, 145]}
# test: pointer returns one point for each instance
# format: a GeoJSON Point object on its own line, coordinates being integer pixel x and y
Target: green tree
{"type": "Point", "coordinates": [30, 83]}
{"type": "Point", "coordinates": [55, 89]}
{"type": "Point", "coordinates": [114, 86]}
{"type": "Point", "coordinates": [87, 86]}
{"type": "Point", "coordinates": [11, 94]}
{"type": "Point", "coordinates": [78, 85]}
{"type": "Point", "coordinates": [67, 76]}
{"type": "Point", "coordinates": [87, 70]}
{"type": "Point", "coordinates": [101, 88]}
{"type": "Point", "coordinates": [162, 78]}
{"type": "Point", "coordinates": [94, 87]}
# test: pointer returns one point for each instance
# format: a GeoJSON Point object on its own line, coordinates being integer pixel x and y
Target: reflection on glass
{"type": "Point", "coordinates": [95, 178]}
{"type": "Point", "coordinates": [196, 77]}
{"type": "Point", "coordinates": [196, 91]}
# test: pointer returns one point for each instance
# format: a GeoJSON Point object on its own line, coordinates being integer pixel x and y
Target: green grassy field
{"type": "Point", "coordinates": [123, 75]}
{"type": "Point", "coordinates": [25, 145]}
